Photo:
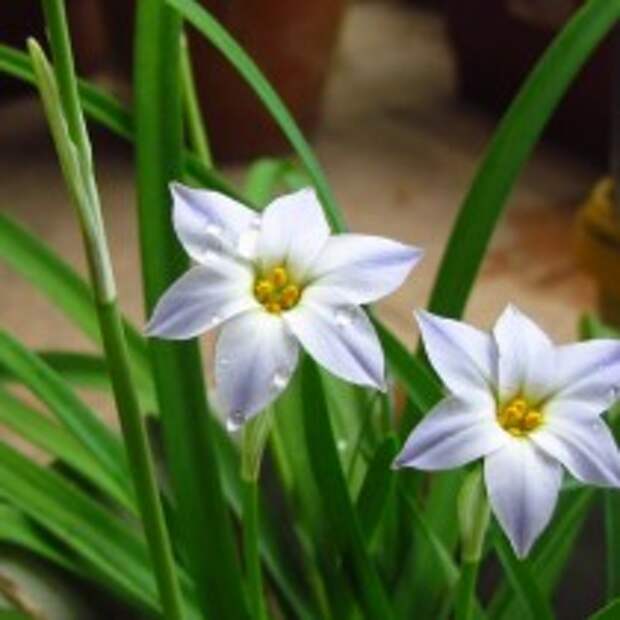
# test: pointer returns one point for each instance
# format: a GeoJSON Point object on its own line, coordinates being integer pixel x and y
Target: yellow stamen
{"type": "Point", "coordinates": [275, 290]}
{"type": "Point", "coordinates": [519, 418]}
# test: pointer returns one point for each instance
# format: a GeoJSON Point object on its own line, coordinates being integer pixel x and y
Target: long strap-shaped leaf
{"type": "Point", "coordinates": [511, 146]}
{"type": "Point", "coordinates": [93, 434]}
{"type": "Point", "coordinates": [63, 286]}
{"type": "Point", "coordinates": [207, 534]}
{"type": "Point", "coordinates": [41, 431]}
{"type": "Point", "coordinates": [339, 511]}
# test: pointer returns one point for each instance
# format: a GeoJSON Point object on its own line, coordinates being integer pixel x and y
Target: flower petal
{"type": "Point", "coordinates": [454, 433]}
{"type": "Point", "coordinates": [464, 357]}
{"type": "Point", "coordinates": [585, 447]}
{"type": "Point", "coordinates": [208, 222]}
{"type": "Point", "coordinates": [363, 268]}
{"type": "Point", "coordinates": [254, 359]}
{"type": "Point", "coordinates": [522, 484]}
{"type": "Point", "coordinates": [293, 231]}
{"type": "Point", "coordinates": [525, 356]}
{"type": "Point", "coordinates": [341, 338]}
{"type": "Point", "coordinates": [588, 372]}
{"type": "Point", "coordinates": [201, 299]}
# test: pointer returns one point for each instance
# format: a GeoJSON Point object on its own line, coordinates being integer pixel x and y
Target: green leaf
{"type": "Point", "coordinates": [609, 612]}
{"type": "Point", "coordinates": [97, 537]}
{"type": "Point", "coordinates": [523, 581]}
{"type": "Point", "coordinates": [378, 488]}
{"type": "Point", "coordinates": [203, 518]}
{"type": "Point", "coordinates": [91, 432]}
{"type": "Point", "coordinates": [195, 14]}
{"type": "Point", "coordinates": [38, 264]}
{"type": "Point", "coordinates": [510, 147]}
{"type": "Point", "coordinates": [338, 511]}
{"type": "Point", "coordinates": [40, 431]}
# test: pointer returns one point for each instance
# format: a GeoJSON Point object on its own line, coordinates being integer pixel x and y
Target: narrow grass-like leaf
{"type": "Point", "coordinates": [523, 581]}
{"type": "Point", "coordinates": [53, 277]}
{"type": "Point", "coordinates": [40, 431]}
{"type": "Point", "coordinates": [609, 612]}
{"type": "Point", "coordinates": [187, 423]}
{"type": "Point", "coordinates": [377, 489]}
{"type": "Point", "coordinates": [195, 14]}
{"type": "Point", "coordinates": [509, 149]}
{"type": "Point", "coordinates": [91, 432]}
{"type": "Point", "coordinates": [338, 510]}
{"type": "Point", "coordinates": [96, 536]}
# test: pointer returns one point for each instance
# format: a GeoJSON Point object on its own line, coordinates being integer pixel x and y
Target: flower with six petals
{"type": "Point", "coordinates": [273, 282]}
{"type": "Point", "coordinates": [527, 407]}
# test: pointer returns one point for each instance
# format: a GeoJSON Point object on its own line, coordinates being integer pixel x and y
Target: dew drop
{"type": "Point", "coordinates": [280, 379]}
{"type": "Point", "coordinates": [345, 316]}
{"type": "Point", "coordinates": [234, 421]}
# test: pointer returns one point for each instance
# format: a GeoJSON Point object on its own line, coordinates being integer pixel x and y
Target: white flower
{"type": "Point", "coordinates": [274, 282]}
{"type": "Point", "coordinates": [524, 405]}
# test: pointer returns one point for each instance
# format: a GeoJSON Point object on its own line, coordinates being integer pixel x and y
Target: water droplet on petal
{"type": "Point", "coordinates": [345, 316]}
{"type": "Point", "coordinates": [235, 421]}
{"type": "Point", "coordinates": [280, 379]}
{"type": "Point", "coordinates": [214, 243]}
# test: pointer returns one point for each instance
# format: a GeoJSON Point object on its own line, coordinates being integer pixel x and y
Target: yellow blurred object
{"type": "Point", "coordinates": [598, 247]}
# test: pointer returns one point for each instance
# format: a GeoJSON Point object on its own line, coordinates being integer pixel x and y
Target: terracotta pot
{"type": "Point", "coordinates": [292, 42]}
{"type": "Point", "coordinates": [497, 43]}
{"type": "Point", "coordinates": [24, 19]}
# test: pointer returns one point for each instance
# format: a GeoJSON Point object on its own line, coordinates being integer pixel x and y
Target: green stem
{"type": "Point", "coordinates": [251, 550]}
{"type": "Point", "coordinates": [195, 124]}
{"type": "Point", "coordinates": [110, 322]}
{"type": "Point", "coordinates": [140, 460]}
{"type": "Point", "coordinates": [466, 591]}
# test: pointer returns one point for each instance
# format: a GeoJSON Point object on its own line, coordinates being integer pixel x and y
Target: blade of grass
{"type": "Point", "coordinates": [40, 431]}
{"type": "Point", "coordinates": [522, 579]}
{"type": "Point", "coordinates": [208, 540]}
{"type": "Point", "coordinates": [98, 439]}
{"type": "Point", "coordinates": [38, 264]}
{"type": "Point", "coordinates": [609, 612]}
{"type": "Point", "coordinates": [509, 149]}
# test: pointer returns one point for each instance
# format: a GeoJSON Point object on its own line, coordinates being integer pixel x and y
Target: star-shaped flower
{"type": "Point", "coordinates": [274, 282]}
{"type": "Point", "coordinates": [524, 405]}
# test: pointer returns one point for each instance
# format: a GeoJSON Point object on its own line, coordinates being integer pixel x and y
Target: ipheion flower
{"type": "Point", "coordinates": [272, 283]}
{"type": "Point", "coordinates": [525, 406]}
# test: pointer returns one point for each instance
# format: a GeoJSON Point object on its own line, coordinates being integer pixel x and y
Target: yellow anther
{"type": "Point", "coordinates": [289, 296]}
{"type": "Point", "coordinates": [518, 418]}
{"type": "Point", "coordinates": [275, 291]}
{"type": "Point", "coordinates": [279, 277]}
{"type": "Point", "coordinates": [263, 289]}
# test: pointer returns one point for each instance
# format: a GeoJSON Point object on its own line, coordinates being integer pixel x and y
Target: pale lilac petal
{"type": "Point", "coordinates": [202, 299]}
{"type": "Point", "coordinates": [526, 356]}
{"type": "Point", "coordinates": [588, 372]}
{"type": "Point", "coordinates": [452, 434]}
{"type": "Point", "coordinates": [342, 339]}
{"type": "Point", "coordinates": [363, 268]}
{"type": "Point", "coordinates": [522, 485]}
{"type": "Point", "coordinates": [293, 231]}
{"type": "Point", "coordinates": [254, 359]}
{"type": "Point", "coordinates": [207, 222]}
{"type": "Point", "coordinates": [585, 447]}
{"type": "Point", "coordinates": [464, 357]}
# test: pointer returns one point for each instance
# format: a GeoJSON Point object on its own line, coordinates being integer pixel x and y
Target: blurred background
{"type": "Point", "coordinates": [400, 99]}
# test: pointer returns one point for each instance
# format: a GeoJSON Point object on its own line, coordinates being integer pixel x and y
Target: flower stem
{"type": "Point", "coordinates": [73, 145]}
{"type": "Point", "coordinates": [466, 591]}
{"type": "Point", "coordinates": [197, 131]}
{"type": "Point", "coordinates": [255, 434]}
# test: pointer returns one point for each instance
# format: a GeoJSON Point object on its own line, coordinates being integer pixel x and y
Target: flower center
{"type": "Point", "coordinates": [275, 290]}
{"type": "Point", "coordinates": [519, 418]}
